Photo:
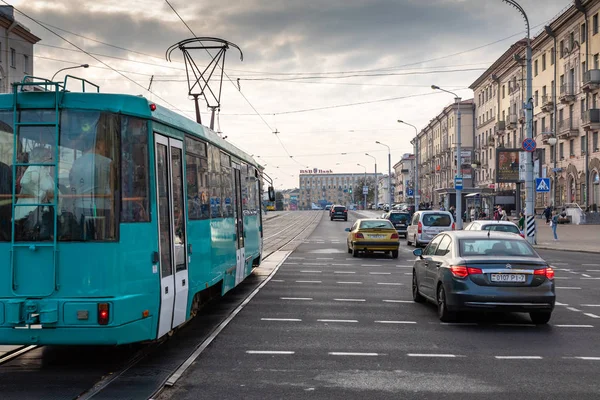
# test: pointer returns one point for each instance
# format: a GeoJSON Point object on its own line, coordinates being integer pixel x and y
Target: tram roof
{"type": "Point", "coordinates": [137, 106]}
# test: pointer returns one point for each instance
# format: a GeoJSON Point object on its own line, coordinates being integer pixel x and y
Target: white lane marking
{"type": "Point", "coordinates": [309, 281]}
{"type": "Point", "coordinates": [271, 352]}
{"type": "Point", "coordinates": [398, 301]}
{"type": "Point", "coordinates": [281, 319]}
{"type": "Point", "coordinates": [456, 323]}
{"type": "Point", "coordinates": [319, 264]}
{"type": "Point", "coordinates": [291, 263]}
{"type": "Point", "coordinates": [318, 258]}
{"type": "Point", "coordinates": [573, 309]}
{"type": "Point", "coordinates": [591, 278]}
{"type": "Point", "coordinates": [408, 273]}
{"type": "Point", "coordinates": [588, 358]}
{"type": "Point", "coordinates": [410, 259]}
{"type": "Point", "coordinates": [591, 315]}
{"type": "Point", "coordinates": [350, 283]}
{"type": "Point", "coordinates": [590, 305]}
{"type": "Point", "coordinates": [395, 322]}
{"type": "Point", "coordinates": [568, 287]}
{"type": "Point", "coordinates": [342, 265]}
{"type": "Point", "coordinates": [586, 275]}
{"type": "Point", "coordinates": [370, 265]}
{"type": "Point", "coordinates": [561, 277]}
{"type": "Point", "coordinates": [380, 273]}
{"type": "Point", "coordinates": [519, 325]}
{"type": "Point", "coordinates": [573, 326]}
{"type": "Point", "coordinates": [432, 355]}
{"type": "Point", "coordinates": [403, 266]}
{"type": "Point", "coordinates": [591, 265]}
{"type": "Point", "coordinates": [295, 258]}
{"type": "Point", "coordinates": [560, 304]}
{"type": "Point", "coordinates": [338, 320]}
{"type": "Point", "coordinates": [560, 263]}
{"type": "Point", "coordinates": [592, 270]}
{"type": "Point", "coordinates": [350, 300]}
{"type": "Point", "coordinates": [277, 280]}
{"type": "Point", "coordinates": [296, 298]}
{"type": "Point", "coordinates": [344, 272]}
{"type": "Point", "coordinates": [390, 283]}
{"type": "Point", "coordinates": [310, 272]}
{"type": "Point", "coordinates": [340, 353]}
{"type": "Point", "coordinates": [518, 357]}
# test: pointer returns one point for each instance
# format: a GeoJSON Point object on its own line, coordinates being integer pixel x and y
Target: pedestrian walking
{"type": "Point", "coordinates": [548, 214]}
{"type": "Point", "coordinates": [521, 223]}
{"type": "Point", "coordinates": [554, 225]}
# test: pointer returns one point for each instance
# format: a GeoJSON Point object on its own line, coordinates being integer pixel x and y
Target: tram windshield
{"type": "Point", "coordinates": [91, 147]}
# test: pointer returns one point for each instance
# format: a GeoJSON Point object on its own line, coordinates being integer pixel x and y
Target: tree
{"type": "Point", "coordinates": [358, 189]}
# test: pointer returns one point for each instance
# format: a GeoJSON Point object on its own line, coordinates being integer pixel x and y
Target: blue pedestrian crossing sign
{"type": "Point", "coordinates": [542, 185]}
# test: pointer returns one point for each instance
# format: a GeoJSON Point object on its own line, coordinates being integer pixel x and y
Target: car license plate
{"type": "Point", "coordinates": [377, 236]}
{"type": "Point", "coordinates": [507, 278]}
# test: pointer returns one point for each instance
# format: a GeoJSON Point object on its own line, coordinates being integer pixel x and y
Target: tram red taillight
{"type": "Point", "coordinates": [152, 107]}
{"type": "Point", "coordinates": [103, 313]}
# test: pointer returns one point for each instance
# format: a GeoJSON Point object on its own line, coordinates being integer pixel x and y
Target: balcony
{"type": "Point", "coordinates": [512, 121]}
{"type": "Point", "coordinates": [547, 103]}
{"type": "Point", "coordinates": [490, 141]}
{"type": "Point", "coordinates": [591, 80]}
{"type": "Point", "coordinates": [500, 127]}
{"type": "Point", "coordinates": [567, 93]}
{"type": "Point", "coordinates": [590, 119]}
{"type": "Point", "coordinates": [568, 128]}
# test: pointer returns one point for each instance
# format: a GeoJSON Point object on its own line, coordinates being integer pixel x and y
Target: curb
{"type": "Point", "coordinates": [570, 250]}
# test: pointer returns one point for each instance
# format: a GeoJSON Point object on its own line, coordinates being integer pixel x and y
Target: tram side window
{"type": "Point", "coordinates": [6, 162]}
{"type": "Point", "coordinates": [244, 185]}
{"type": "Point", "coordinates": [134, 170]}
{"type": "Point", "coordinates": [226, 186]}
{"type": "Point", "coordinates": [197, 179]}
{"type": "Point", "coordinates": [251, 190]}
{"type": "Point", "coordinates": [214, 163]}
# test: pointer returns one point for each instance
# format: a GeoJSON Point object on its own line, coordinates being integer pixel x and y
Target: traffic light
{"type": "Point", "coordinates": [350, 190]}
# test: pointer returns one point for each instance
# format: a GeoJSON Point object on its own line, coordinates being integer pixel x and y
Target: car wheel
{"type": "Point", "coordinates": [408, 242]}
{"type": "Point", "coordinates": [417, 297]}
{"type": "Point", "coordinates": [331, 219]}
{"type": "Point", "coordinates": [443, 313]}
{"type": "Point", "coordinates": [540, 318]}
{"type": "Point", "coordinates": [394, 253]}
{"type": "Point", "coordinates": [354, 252]}
{"type": "Point", "coordinates": [349, 250]}
{"type": "Point", "coordinates": [416, 242]}
{"type": "Point", "coordinates": [346, 219]}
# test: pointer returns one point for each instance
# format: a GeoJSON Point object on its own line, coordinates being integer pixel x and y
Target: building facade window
{"type": "Point", "coordinates": [572, 147]}
{"type": "Point", "coordinates": [583, 35]}
{"type": "Point", "coordinates": [595, 24]}
{"type": "Point", "coordinates": [13, 58]}
{"type": "Point", "coordinates": [544, 62]}
{"type": "Point", "coordinates": [26, 64]}
{"type": "Point", "coordinates": [535, 68]}
{"type": "Point", "coordinates": [552, 53]}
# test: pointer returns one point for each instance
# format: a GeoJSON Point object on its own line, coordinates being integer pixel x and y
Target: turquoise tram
{"type": "Point", "coordinates": [117, 216]}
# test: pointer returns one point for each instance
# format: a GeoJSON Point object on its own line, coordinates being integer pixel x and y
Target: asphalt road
{"type": "Point", "coordinates": [329, 326]}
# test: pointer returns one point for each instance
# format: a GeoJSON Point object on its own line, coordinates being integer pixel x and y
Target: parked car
{"type": "Point", "coordinates": [426, 224]}
{"type": "Point", "coordinates": [499, 226]}
{"type": "Point", "coordinates": [483, 271]}
{"type": "Point", "coordinates": [400, 220]}
{"type": "Point", "coordinates": [339, 212]}
{"type": "Point", "coordinates": [369, 235]}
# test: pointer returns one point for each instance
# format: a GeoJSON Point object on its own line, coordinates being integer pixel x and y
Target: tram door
{"type": "Point", "coordinates": [239, 225]}
{"type": "Point", "coordinates": [172, 233]}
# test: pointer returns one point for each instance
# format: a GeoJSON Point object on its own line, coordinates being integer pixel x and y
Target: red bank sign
{"type": "Point", "coordinates": [316, 171]}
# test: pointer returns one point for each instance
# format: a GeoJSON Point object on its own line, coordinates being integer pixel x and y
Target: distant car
{"type": "Point", "coordinates": [328, 207]}
{"type": "Point", "coordinates": [339, 212]}
{"type": "Point", "coordinates": [400, 220]}
{"type": "Point", "coordinates": [369, 235]}
{"type": "Point", "coordinates": [499, 226]}
{"type": "Point", "coordinates": [483, 271]}
{"type": "Point", "coordinates": [426, 224]}
{"type": "Point", "coordinates": [315, 207]}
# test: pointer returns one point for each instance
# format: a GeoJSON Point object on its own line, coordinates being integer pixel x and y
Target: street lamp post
{"type": "Point", "coordinates": [529, 201]}
{"type": "Point", "coordinates": [66, 68]}
{"type": "Point", "coordinates": [457, 99]}
{"type": "Point", "coordinates": [364, 184]}
{"type": "Point", "coordinates": [389, 172]}
{"type": "Point", "coordinates": [415, 142]}
{"type": "Point", "coordinates": [376, 200]}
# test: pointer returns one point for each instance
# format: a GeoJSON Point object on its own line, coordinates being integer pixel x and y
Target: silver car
{"type": "Point", "coordinates": [426, 224]}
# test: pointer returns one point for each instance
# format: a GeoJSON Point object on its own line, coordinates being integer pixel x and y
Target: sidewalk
{"type": "Point", "coordinates": [273, 214]}
{"type": "Point", "coordinates": [584, 238]}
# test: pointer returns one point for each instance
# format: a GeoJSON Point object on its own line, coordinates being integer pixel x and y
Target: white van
{"type": "Point", "coordinates": [426, 224]}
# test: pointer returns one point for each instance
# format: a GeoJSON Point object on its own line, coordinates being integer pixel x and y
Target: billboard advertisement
{"type": "Point", "coordinates": [507, 165]}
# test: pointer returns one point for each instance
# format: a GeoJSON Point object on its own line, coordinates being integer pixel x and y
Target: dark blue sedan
{"type": "Point", "coordinates": [485, 271]}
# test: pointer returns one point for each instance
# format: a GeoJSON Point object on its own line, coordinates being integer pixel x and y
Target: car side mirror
{"type": "Point", "coordinates": [418, 252]}
{"type": "Point", "coordinates": [347, 229]}
{"type": "Point", "coordinates": [271, 193]}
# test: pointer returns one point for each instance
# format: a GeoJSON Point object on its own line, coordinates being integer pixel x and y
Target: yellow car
{"type": "Point", "coordinates": [369, 235]}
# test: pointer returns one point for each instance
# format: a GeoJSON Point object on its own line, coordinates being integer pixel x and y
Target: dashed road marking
{"type": "Point", "coordinates": [561, 277]}
{"type": "Point", "coordinates": [380, 273]}
{"type": "Point", "coordinates": [390, 283]}
{"type": "Point", "coordinates": [295, 258]}
{"type": "Point", "coordinates": [455, 323]}
{"type": "Point", "coordinates": [590, 305]}
{"type": "Point", "coordinates": [518, 357]}
{"type": "Point", "coordinates": [270, 352]}
{"type": "Point", "coordinates": [296, 298]}
{"type": "Point", "coordinates": [518, 325]}
{"type": "Point", "coordinates": [311, 272]}
{"type": "Point", "coordinates": [356, 300]}
{"type": "Point", "coordinates": [342, 265]}
{"type": "Point", "coordinates": [573, 326]}
{"type": "Point", "coordinates": [432, 355]}
{"type": "Point", "coordinates": [591, 265]}
{"type": "Point", "coordinates": [344, 272]}
{"type": "Point", "coordinates": [592, 270]}
{"type": "Point", "coordinates": [370, 265]}
{"type": "Point", "coordinates": [350, 283]}
{"type": "Point", "coordinates": [591, 315]}
{"type": "Point", "coordinates": [403, 266]}
{"type": "Point", "coordinates": [339, 353]}
{"type": "Point", "coordinates": [587, 358]}
{"type": "Point", "coordinates": [338, 320]}
{"type": "Point", "coordinates": [282, 319]}
{"type": "Point", "coordinates": [395, 322]}
{"type": "Point", "coordinates": [586, 275]}
{"type": "Point", "coordinates": [591, 278]}
{"type": "Point", "coordinates": [573, 309]}
{"type": "Point", "coordinates": [408, 273]}
{"type": "Point", "coordinates": [309, 281]}
{"type": "Point", "coordinates": [569, 287]}
{"type": "Point", "coordinates": [318, 258]}
{"type": "Point", "coordinates": [277, 280]}
{"type": "Point", "coordinates": [320, 264]}
{"type": "Point", "coordinates": [398, 301]}
{"type": "Point", "coordinates": [560, 304]}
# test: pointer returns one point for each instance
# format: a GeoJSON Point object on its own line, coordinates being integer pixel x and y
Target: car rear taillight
{"type": "Point", "coordinates": [420, 228]}
{"type": "Point", "coordinates": [103, 313]}
{"type": "Point", "coordinates": [547, 272]}
{"type": "Point", "coordinates": [460, 271]}
{"type": "Point", "coordinates": [453, 226]}
{"type": "Point", "coordinates": [395, 236]}
{"type": "Point", "coordinates": [359, 236]}
{"type": "Point", "coordinates": [345, 211]}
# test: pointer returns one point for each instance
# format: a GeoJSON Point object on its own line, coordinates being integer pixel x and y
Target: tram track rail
{"type": "Point", "coordinates": [20, 350]}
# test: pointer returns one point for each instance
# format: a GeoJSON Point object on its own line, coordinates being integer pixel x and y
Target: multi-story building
{"type": "Point", "coordinates": [16, 50]}
{"type": "Point", "coordinates": [437, 154]}
{"type": "Point", "coordinates": [383, 192]}
{"type": "Point", "coordinates": [566, 96]}
{"type": "Point", "coordinates": [324, 187]}
{"type": "Point", "coordinates": [404, 171]}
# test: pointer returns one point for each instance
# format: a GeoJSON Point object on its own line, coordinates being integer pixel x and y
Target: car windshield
{"type": "Point", "coordinates": [397, 217]}
{"type": "Point", "coordinates": [501, 228]}
{"type": "Point", "coordinates": [437, 220]}
{"type": "Point", "coordinates": [495, 247]}
{"type": "Point", "coordinates": [339, 208]}
{"type": "Point", "coordinates": [385, 224]}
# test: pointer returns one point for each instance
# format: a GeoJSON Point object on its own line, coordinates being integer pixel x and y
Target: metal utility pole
{"type": "Point", "coordinates": [364, 184]}
{"type": "Point", "coordinates": [391, 193]}
{"type": "Point", "coordinates": [457, 99]}
{"type": "Point", "coordinates": [376, 200]}
{"type": "Point", "coordinates": [529, 200]}
{"type": "Point", "coordinates": [415, 142]}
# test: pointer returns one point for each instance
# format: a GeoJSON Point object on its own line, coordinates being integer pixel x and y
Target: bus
{"type": "Point", "coordinates": [118, 217]}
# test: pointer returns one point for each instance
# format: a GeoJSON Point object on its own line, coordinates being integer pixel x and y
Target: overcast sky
{"type": "Point", "coordinates": [295, 53]}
